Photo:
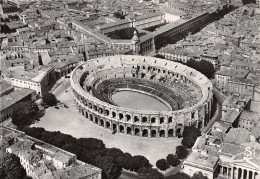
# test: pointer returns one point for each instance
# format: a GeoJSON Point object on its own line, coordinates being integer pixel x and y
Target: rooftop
{"type": "Point", "coordinates": [230, 116]}
{"type": "Point", "coordinates": [236, 101]}
{"type": "Point", "coordinates": [77, 172]}
{"type": "Point", "coordinates": [5, 86]}
{"type": "Point", "coordinates": [202, 160]}
{"type": "Point", "coordinates": [33, 149]}
{"type": "Point", "coordinates": [250, 116]}
{"type": "Point", "coordinates": [233, 72]}
{"type": "Point", "coordinates": [14, 97]}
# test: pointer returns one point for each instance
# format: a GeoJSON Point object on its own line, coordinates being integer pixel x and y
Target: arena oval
{"type": "Point", "coordinates": [193, 107]}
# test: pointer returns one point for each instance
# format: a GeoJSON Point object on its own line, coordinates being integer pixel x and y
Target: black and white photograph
{"type": "Point", "coordinates": [130, 89]}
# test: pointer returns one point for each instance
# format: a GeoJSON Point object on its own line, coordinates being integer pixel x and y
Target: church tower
{"type": "Point", "coordinates": [135, 43]}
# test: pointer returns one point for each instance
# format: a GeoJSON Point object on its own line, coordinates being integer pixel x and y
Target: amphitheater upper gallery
{"type": "Point", "coordinates": [185, 93]}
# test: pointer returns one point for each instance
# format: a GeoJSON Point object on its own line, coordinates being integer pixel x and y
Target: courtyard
{"type": "Point", "coordinates": [70, 121]}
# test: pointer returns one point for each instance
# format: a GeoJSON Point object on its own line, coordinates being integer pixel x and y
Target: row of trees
{"type": "Point", "coordinates": [179, 175]}
{"type": "Point", "coordinates": [190, 135]}
{"type": "Point", "coordinates": [94, 151]}
{"type": "Point", "coordinates": [203, 66]}
{"type": "Point", "coordinates": [173, 160]}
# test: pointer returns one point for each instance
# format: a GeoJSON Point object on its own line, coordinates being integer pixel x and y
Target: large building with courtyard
{"type": "Point", "coordinates": [141, 95]}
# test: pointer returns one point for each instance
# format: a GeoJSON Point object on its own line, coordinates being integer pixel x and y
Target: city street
{"type": "Point", "coordinates": [220, 99]}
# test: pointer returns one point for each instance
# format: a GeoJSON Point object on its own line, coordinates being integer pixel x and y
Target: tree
{"type": "Point", "coordinates": [203, 66]}
{"type": "Point", "coordinates": [109, 168]}
{"type": "Point", "coordinates": [181, 152]}
{"type": "Point", "coordinates": [92, 151]}
{"type": "Point", "coordinates": [173, 160]}
{"type": "Point", "coordinates": [49, 99]}
{"type": "Point", "coordinates": [137, 162]}
{"type": "Point", "coordinates": [190, 135]}
{"type": "Point", "coordinates": [149, 173]}
{"type": "Point", "coordinates": [178, 175]}
{"type": "Point", "coordinates": [199, 175]}
{"type": "Point", "coordinates": [162, 164]}
{"type": "Point", "coordinates": [24, 113]}
{"type": "Point", "coordinates": [11, 167]}
{"type": "Point", "coordinates": [159, 56]}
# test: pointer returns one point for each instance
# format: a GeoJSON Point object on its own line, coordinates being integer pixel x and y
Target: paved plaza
{"type": "Point", "coordinates": [69, 121]}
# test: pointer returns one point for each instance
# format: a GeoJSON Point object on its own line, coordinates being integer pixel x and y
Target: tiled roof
{"type": "Point", "coordinates": [250, 116]}
{"type": "Point", "coordinates": [237, 136]}
{"type": "Point", "coordinates": [4, 86]}
{"type": "Point", "coordinates": [232, 72]}
{"type": "Point", "coordinates": [77, 172]}
{"type": "Point", "coordinates": [201, 160]}
{"type": "Point", "coordinates": [223, 127]}
{"type": "Point", "coordinates": [14, 97]}
{"type": "Point", "coordinates": [230, 116]}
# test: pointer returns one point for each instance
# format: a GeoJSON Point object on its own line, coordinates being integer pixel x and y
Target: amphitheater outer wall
{"type": "Point", "coordinates": [138, 122]}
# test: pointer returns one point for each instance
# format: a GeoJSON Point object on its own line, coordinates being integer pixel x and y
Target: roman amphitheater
{"type": "Point", "coordinates": [142, 96]}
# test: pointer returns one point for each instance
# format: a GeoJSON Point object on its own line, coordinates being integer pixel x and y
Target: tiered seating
{"type": "Point", "coordinates": [106, 87]}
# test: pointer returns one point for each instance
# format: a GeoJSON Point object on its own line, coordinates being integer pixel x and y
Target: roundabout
{"type": "Point", "coordinates": [141, 96]}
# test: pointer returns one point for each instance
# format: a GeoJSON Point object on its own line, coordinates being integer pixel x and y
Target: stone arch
{"type": "Point", "coordinates": [90, 105]}
{"type": "Point", "coordinates": [91, 117]}
{"type": "Point", "coordinates": [161, 120]}
{"type": "Point", "coordinates": [170, 133]}
{"type": "Point", "coordinates": [121, 129]}
{"type": "Point", "coordinates": [82, 110]}
{"type": "Point", "coordinates": [136, 119]}
{"type": "Point", "coordinates": [145, 133]}
{"type": "Point", "coordinates": [144, 119]}
{"type": "Point", "coordinates": [128, 117]}
{"type": "Point", "coordinates": [153, 133]}
{"type": "Point", "coordinates": [153, 120]}
{"type": "Point", "coordinates": [106, 112]}
{"type": "Point", "coordinates": [100, 110]}
{"type": "Point", "coordinates": [96, 120]}
{"type": "Point", "coordinates": [108, 124]}
{"type": "Point", "coordinates": [137, 131]}
{"type": "Point", "coordinates": [169, 120]}
{"type": "Point", "coordinates": [129, 130]}
{"type": "Point", "coordinates": [86, 114]}
{"type": "Point", "coordinates": [95, 108]}
{"type": "Point", "coordinates": [121, 116]}
{"type": "Point", "coordinates": [102, 122]}
{"type": "Point", "coordinates": [114, 127]}
{"type": "Point", "coordinates": [162, 133]}
{"type": "Point", "coordinates": [178, 132]}
{"type": "Point", "coordinates": [114, 114]}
